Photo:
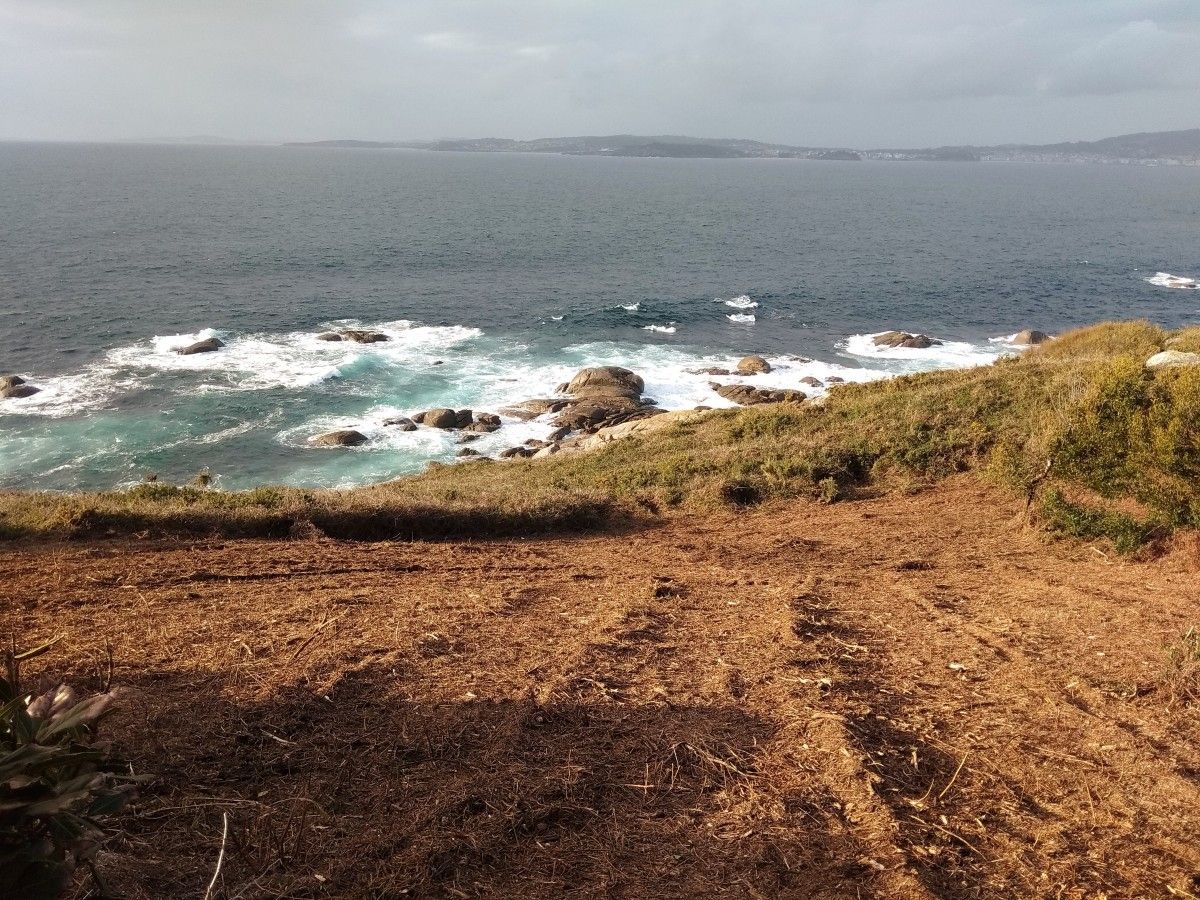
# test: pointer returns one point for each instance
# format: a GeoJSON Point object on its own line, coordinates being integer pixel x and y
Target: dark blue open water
{"type": "Point", "coordinates": [511, 271]}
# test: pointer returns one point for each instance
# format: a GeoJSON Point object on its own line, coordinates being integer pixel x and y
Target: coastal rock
{"type": "Point", "coordinates": [347, 437]}
{"type": "Point", "coordinates": [1172, 359]}
{"type": "Point", "coordinates": [904, 339]}
{"type": "Point", "coordinates": [594, 410]}
{"type": "Point", "coordinates": [745, 395]}
{"type": "Point", "coordinates": [329, 336]}
{"type": "Point", "coordinates": [835, 379]}
{"type": "Point", "coordinates": [606, 381]}
{"type": "Point", "coordinates": [438, 418]}
{"type": "Point", "coordinates": [713, 371]}
{"type": "Point", "coordinates": [363, 337]}
{"type": "Point", "coordinates": [558, 434]}
{"type": "Point", "coordinates": [468, 437]}
{"type": "Point", "coordinates": [463, 418]}
{"type": "Point", "coordinates": [1029, 338]}
{"type": "Point", "coordinates": [753, 365]}
{"type": "Point", "coordinates": [7, 381]}
{"type": "Point", "coordinates": [208, 345]}
{"type": "Point", "coordinates": [466, 452]}
{"type": "Point", "coordinates": [548, 450]}
{"type": "Point", "coordinates": [403, 423]}
{"type": "Point", "coordinates": [811, 381]}
{"type": "Point", "coordinates": [531, 409]}
{"type": "Point", "coordinates": [516, 453]}
{"type": "Point", "coordinates": [18, 391]}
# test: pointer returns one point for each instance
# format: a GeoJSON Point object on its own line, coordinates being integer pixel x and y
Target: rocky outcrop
{"type": "Point", "coordinates": [595, 410]}
{"type": "Point", "coordinates": [401, 423]}
{"type": "Point", "coordinates": [356, 335]}
{"type": "Point", "coordinates": [347, 437]}
{"type": "Point", "coordinates": [745, 395]}
{"type": "Point", "coordinates": [1029, 338]}
{"type": "Point", "coordinates": [531, 409]}
{"type": "Point", "coordinates": [835, 379]}
{"type": "Point", "coordinates": [753, 365]}
{"type": "Point", "coordinates": [712, 371]}
{"type": "Point", "coordinates": [208, 345]}
{"type": "Point", "coordinates": [466, 452]}
{"type": "Point", "coordinates": [904, 339]}
{"type": "Point", "coordinates": [1173, 359]}
{"type": "Point", "coordinates": [811, 381]}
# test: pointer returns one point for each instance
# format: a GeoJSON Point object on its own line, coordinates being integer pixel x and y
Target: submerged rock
{"type": "Point", "coordinates": [357, 335]}
{"type": "Point", "coordinates": [1172, 359]}
{"type": "Point", "coordinates": [904, 339]}
{"type": "Point", "coordinates": [1030, 338]}
{"type": "Point", "coordinates": [753, 365]}
{"type": "Point", "coordinates": [347, 437]}
{"type": "Point", "coordinates": [208, 345]}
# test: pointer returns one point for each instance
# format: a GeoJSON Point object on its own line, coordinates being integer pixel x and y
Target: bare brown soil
{"type": "Point", "coordinates": [906, 697]}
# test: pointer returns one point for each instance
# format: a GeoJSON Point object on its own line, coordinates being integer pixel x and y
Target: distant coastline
{"type": "Point", "coordinates": [1163, 148]}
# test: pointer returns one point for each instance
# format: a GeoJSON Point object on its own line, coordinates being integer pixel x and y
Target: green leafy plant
{"type": "Point", "coordinates": [57, 784]}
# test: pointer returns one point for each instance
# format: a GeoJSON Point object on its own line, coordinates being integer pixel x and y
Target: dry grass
{"type": "Point", "coordinates": [1079, 412]}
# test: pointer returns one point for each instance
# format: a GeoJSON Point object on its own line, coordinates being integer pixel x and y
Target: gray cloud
{"type": "Point", "coordinates": [860, 72]}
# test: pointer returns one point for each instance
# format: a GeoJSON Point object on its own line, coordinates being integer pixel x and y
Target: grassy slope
{"type": "Point", "coordinates": [1106, 447]}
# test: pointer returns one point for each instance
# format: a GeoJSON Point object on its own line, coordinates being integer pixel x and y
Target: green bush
{"type": "Point", "coordinates": [57, 785]}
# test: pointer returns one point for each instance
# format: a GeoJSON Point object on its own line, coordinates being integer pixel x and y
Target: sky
{"type": "Point", "coordinates": [856, 73]}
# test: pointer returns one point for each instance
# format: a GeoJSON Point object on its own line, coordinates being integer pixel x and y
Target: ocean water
{"type": "Point", "coordinates": [498, 276]}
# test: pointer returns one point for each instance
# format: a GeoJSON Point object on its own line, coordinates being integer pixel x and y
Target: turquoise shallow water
{"type": "Point", "coordinates": [496, 277]}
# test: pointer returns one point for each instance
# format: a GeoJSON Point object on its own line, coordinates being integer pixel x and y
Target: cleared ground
{"type": "Point", "coordinates": [915, 696]}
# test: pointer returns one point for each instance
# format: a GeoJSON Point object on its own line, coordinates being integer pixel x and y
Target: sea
{"type": "Point", "coordinates": [497, 276]}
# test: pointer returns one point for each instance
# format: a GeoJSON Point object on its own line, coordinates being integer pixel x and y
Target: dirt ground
{"type": "Point", "coordinates": [916, 696]}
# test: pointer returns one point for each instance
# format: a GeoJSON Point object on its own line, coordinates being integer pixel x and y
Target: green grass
{"type": "Point", "coordinates": [1083, 404]}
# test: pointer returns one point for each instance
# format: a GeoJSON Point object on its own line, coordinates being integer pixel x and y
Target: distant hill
{"type": "Point", "coordinates": [1162, 147]}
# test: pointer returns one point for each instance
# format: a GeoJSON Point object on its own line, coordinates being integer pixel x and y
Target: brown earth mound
{"type": "Point", "coordinates": [859, 700]}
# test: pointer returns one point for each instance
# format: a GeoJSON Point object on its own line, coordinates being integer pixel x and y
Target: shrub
{"type": "Point", "coordinates": [57, 784]}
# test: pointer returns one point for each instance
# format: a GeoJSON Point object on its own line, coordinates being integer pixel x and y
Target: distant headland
{"type": "Point", "coordinates": [1180, 148]}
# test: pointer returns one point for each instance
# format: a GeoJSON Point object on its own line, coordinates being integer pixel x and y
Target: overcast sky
{"type": "Point", "coordinates": [818, 72]}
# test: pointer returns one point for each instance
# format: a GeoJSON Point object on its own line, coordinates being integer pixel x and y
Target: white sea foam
{"type": "Point", "coordinates": [65, 395]}
{"type": "Point", "coordinates": [741, 318]}
{"type": "Point", "coordinates": [1167, 280]}
{"type": "Point", "coordinates": [632, 307]}
{"type": "Point", "coordinates": [742, 302]}
{"type": "Point", "coordinates": [946, 355]}
{"type": "Point", "coordinates": [557, 318]}
{"type": "Point", "coordinates": [293, 360]}
{"type": "Point", "coordinates": [663, 329]}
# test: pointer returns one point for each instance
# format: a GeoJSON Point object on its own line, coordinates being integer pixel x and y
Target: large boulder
{"type": "Point", "coordinates": [17, 391]}
{"type": "Point", "coordinates": [1029, 338]}
{"type": "Point", "coordinates": [745, 395]}
{"type": "Point", "coordinates": [438, 418]}
{"type": "Point", "coordinates": [346, 437]}
{"type": "Point", "coordinates": [1172, 359]}
{"type": "Point", "coordinates": [329, 336]}
{"type": "Point", "coordinates": [208, 345]}
{"type": "Point", "coordinates": [904, 339]}
{"type": "Point", "coordinates": [7, 381]}
{"type": "Point", "coordinates": [606, 381]}
{"type": "Point", "coordinates": [753, 365]}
